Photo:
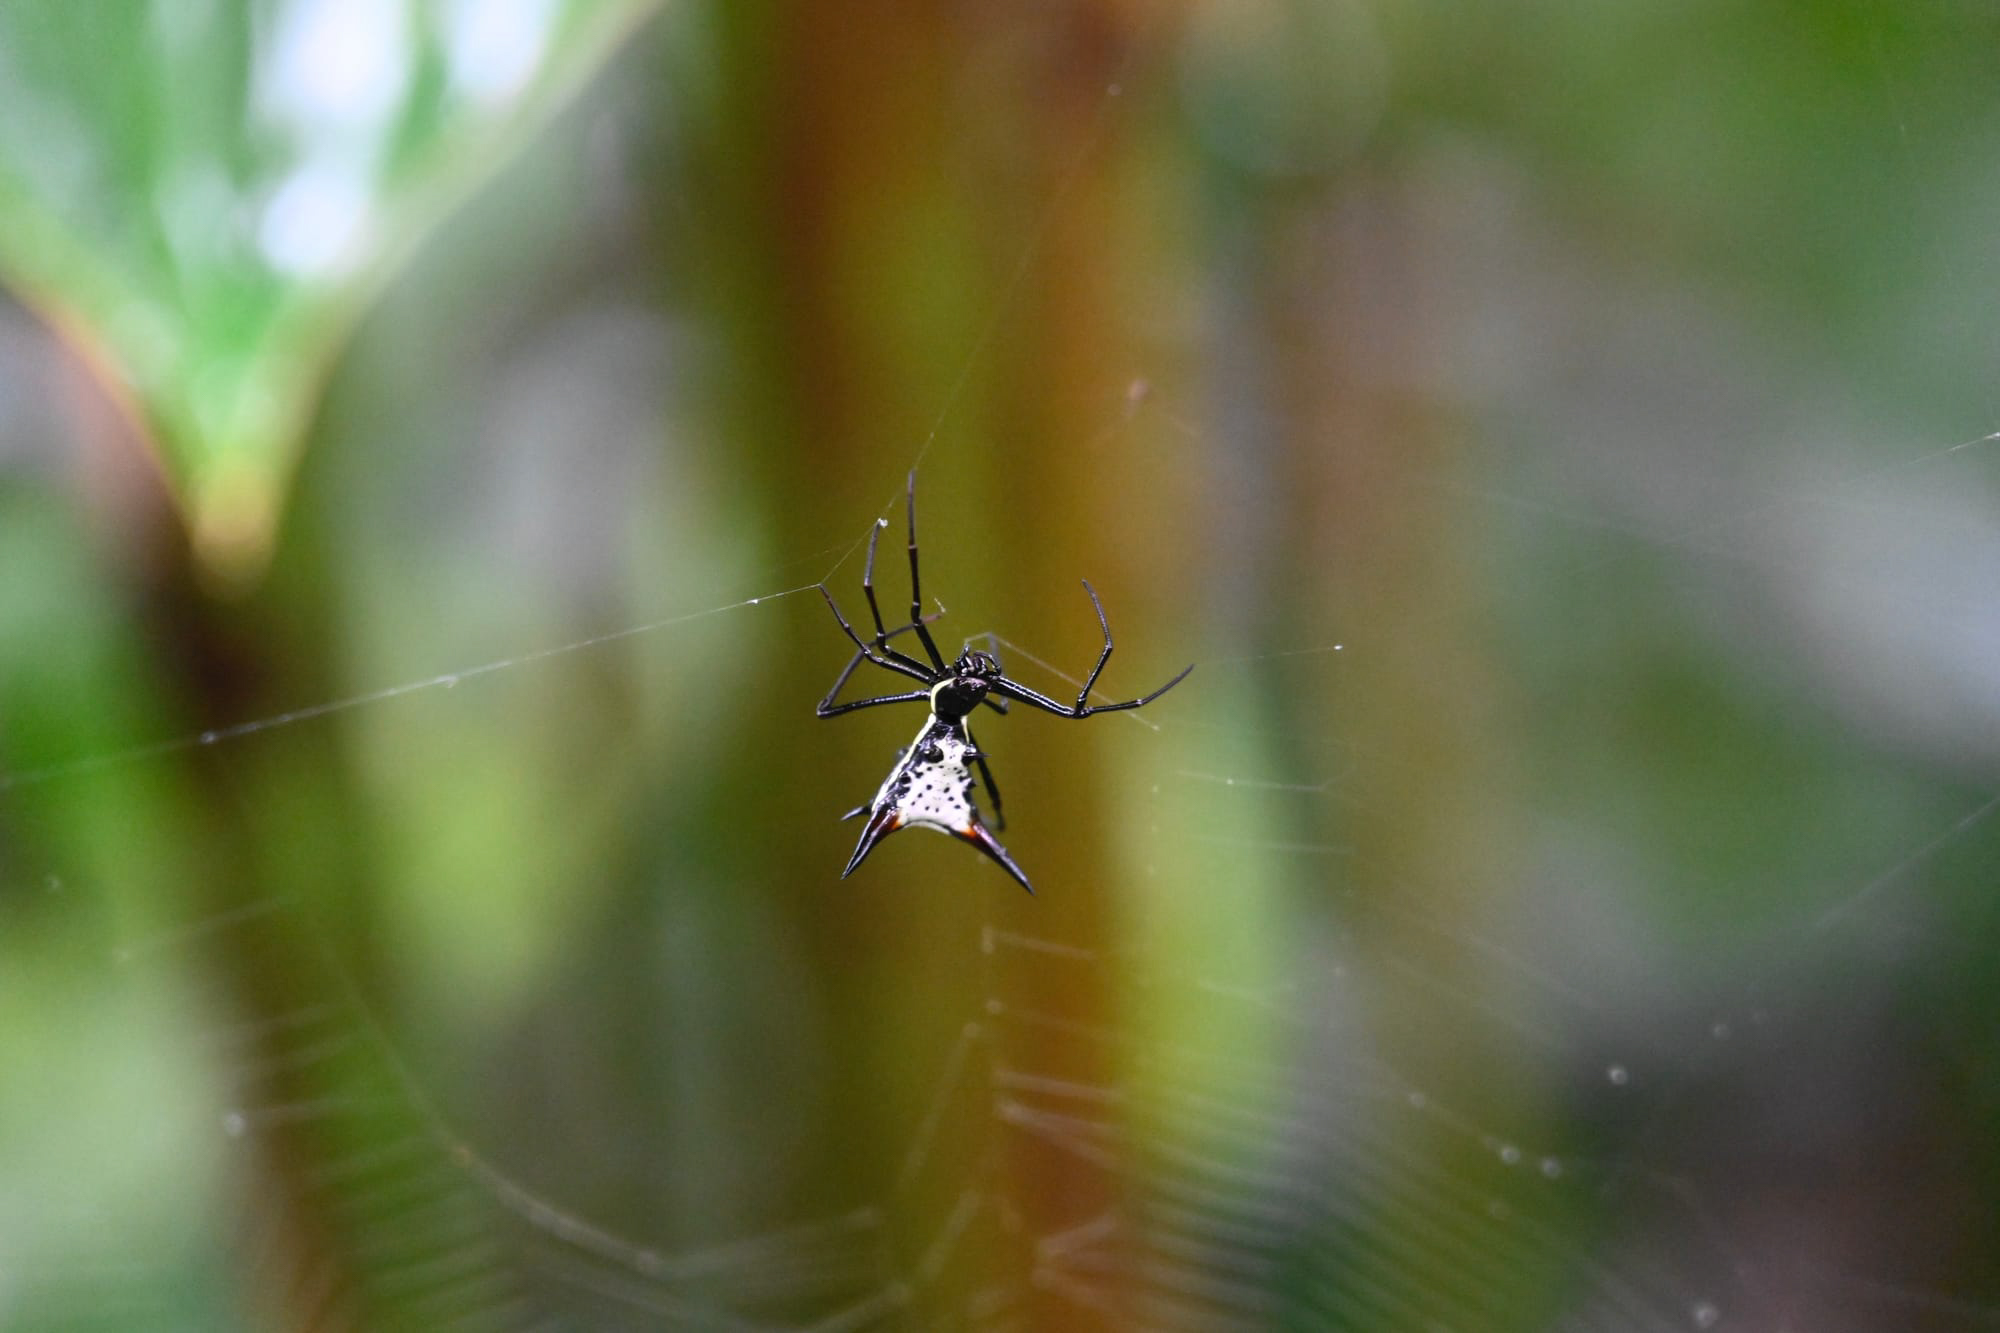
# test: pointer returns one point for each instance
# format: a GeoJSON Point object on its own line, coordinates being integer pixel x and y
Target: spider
{"type": "Point", "coordinates": [931, 783]}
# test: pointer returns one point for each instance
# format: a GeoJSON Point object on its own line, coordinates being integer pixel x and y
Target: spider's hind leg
{"type": "Point", "coordinates": [978, 758]}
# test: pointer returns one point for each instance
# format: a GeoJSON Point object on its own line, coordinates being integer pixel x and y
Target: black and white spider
{"type": "Point", "coordinates": [931, 784]}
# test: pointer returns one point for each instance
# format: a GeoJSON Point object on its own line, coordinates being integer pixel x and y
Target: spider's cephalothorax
{"type": "Point", "coordinates": [970, 681]}
{"type": "Point", "coordinates": [931, 784]}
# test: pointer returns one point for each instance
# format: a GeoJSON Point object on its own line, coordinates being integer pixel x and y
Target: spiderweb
{"type": "Point", "coordinates": [1284, 1081]}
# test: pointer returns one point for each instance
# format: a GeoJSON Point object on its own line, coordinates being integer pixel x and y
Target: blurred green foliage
{"type": "Point", "coordinates": [204, 196]}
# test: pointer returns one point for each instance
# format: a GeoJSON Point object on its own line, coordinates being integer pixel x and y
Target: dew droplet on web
{"type": "Point", "coordinates": [1417, 1100]}
{"type": "Point", "coordinates": [1719, 1031]}
{"type": "Point", "coordinates": [208, 738]}
{"type": "Point", "coordinates": [753, 601]}
{"type": "Point", "coordinates": [1619, 1075]}
{"type": "Point", "coordinates": [1705, 1315]}
{"type": "Point", "coordinates": [1551, 1167]}
{"type": "Point", "coordinates": [53, 884]}
{"type": "Point", "coordinates": [448, 682]}
{"type": "Point", "coordinates": [1510, 1154]}
{"type": "Point", "coordinates": [235, 1124]}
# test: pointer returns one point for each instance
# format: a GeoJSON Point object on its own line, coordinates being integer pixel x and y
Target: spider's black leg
{"type": "Point", "coordinates": [829, 709]}
{"type": "Point", "coordinates": [1013, 689]}
{"type": "Point", "coordinates": [986, 776]}
{"type": "Point", "coordinates": [868, 582]}
{"type": "Point", "coordinates": [1083, 707]}
{"type": "Point", "coordinates": [840, 682]}
{"type": "Point", "coordinates": [897, 663]}
{"type": "Point", "coordinates": [1139, 702]}
{"type": "Point", "coordinates": [882, 636]}
{"type": "Point", "coordinates": [847, 672]}
{"type": "Point", "coordinates": [916, 590]}
{"type": "Point", "coordinates": [1020, 693]}
{"type": "Point", "coordinates": [1090, 681]}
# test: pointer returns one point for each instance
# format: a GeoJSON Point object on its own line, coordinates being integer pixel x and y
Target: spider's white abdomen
{"type": "Point", "coordinates": [932, 786]}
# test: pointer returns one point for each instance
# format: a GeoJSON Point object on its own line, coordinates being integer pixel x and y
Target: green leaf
{"type": "Point", "coordinates": [202, 197]}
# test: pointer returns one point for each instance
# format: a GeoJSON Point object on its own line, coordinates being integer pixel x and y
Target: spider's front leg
{"type": "Point", "coordinates": [828, 708]}
{"type": "Point", "coordinates": [916, 590]}
{"type": "Point", "coordinates": [883, 635]}
{"type": "Point", "coordinates": [1083, 707]}
{"type": "Point", "coordinates": [895, 662]}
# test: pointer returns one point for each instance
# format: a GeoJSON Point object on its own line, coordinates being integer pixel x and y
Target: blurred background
{"type": "Point", "coordinates": [1562, 897]}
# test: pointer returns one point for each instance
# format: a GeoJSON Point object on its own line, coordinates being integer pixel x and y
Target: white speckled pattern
{"type": "Point", "coordinates": [931, 787]}
{"type": "Point", "coordinates": [931, 784]}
